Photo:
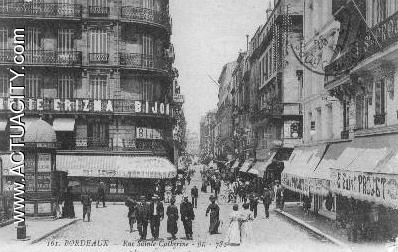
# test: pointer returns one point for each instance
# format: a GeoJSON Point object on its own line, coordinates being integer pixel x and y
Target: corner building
{"type": "Point", "coordinates": [100, 72]}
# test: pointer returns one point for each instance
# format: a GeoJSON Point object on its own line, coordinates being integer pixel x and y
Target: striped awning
{"type": "Point", "coordinates": [246, 165]}
{"type": "Point", "coordinates": [116, 166]}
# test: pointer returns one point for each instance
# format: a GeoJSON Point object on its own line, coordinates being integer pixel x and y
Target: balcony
{"type": "Point", "coordinates": [386, 34]}
{"type": "Point", "coordinates": [44, 57]}
{"type": "Point", "coordinates": [41, 105]}
{"type": "Point", "coordinates": [98, 58]}
{"type": "Point", "coordinates": [136, 14]}
{"type": "Point", "coordinates": [380, 119]}
{"type": "Point", "coordinates": [41, 10]}
{"type": "Point", "coordinates": [98, 11]}
{"type": "Point", "coordinates": [142, 61]}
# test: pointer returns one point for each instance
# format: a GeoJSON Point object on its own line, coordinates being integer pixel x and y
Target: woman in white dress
{"type": "Point", "coordinates": [246, 227]}
{"type": "Point", "coordinates": [233, 233]}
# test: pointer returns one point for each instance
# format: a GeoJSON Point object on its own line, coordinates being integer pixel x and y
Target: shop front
{"type": "Point", "coordinates": [365, 180]}
{"type": "Point", "coordinates": [122, 175]}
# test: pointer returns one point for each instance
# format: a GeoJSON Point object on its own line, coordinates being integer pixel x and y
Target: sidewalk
{"type": "Point", "coordinates": [324, 227]}
{"type": "Point", "coordinates": [37, 229]}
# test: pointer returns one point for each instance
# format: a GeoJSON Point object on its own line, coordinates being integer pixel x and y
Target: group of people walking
{"type": "Point", "coordinates": [144, 213]}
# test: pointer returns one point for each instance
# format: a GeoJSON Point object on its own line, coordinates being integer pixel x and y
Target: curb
{"type": "Point", "coordinates": [54, 231]}
{"type": "Point", "coordinates": [313, 229]}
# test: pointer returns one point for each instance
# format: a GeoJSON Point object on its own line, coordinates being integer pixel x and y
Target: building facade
{"type": "Point", "coordinates": [277, 112]}
{"type": "Point", "coordinates": [207, 143]}
{"type": "Point", "coordinates": [100, 72]}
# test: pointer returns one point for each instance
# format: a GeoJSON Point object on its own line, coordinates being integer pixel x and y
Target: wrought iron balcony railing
{"type": "Point", "coordinates": [41, 10]}
{"type": "Point", "coordinates": [135, 60]}
{"type": "Point", "coordinates": [380, 119]}
{"type": "Point", "coordinates": [101, 58]}
{"type": "Point", "coordinates": [376, 39]}
{"type": "Point", "coordinates": [44, 57]}
{"type": "Point", "coordinates": [132, 13]}
{"type": "Point", "coordinates": [98, 11]}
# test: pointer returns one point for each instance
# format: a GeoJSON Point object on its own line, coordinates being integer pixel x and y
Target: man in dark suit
{"type": "Point", "coordinates": [156, 215]}
{"type": "Point", "coordinates": [187, 216]}
{"type": "Point", "coordinates": [194, 195]}
{"type": "Point", "coordinates": [142, 216]}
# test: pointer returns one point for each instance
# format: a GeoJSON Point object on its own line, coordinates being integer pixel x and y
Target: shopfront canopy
{"type": "Point", "coordinates": [299, 169]}
{"type": "Point", "coordinates": [116, 166]}
{"type": "Point", "coordinates": [260, 167]}
{"type": "Point", "coordinates": [64, 124]}
{"type": "Point", "coordinates": [367, 170]}
{"type": "Point", "coordinates": [246, 165]}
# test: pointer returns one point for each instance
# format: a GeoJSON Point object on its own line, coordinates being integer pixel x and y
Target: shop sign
{"type": "Point", "coordinates": [296, 183]}
{"type": "Point", "coordinates": [44, 182]}
{"type": "Point", "coordinates": [112, 188]}
{"type": "Point", "coordinates": [91, 105]}
{"type": "Point", "coordinates": [43, 162]}
{"type": "Point", "coordinates": [148, 133]}
{"type": "Point", "coordinates": [29, 208]}
{"type": "Point", "coordinates": [374, 187]}
{"type": "Point", "coordinates": [44, 208]}
{"type": "Point", "coordinates": [291, 129]}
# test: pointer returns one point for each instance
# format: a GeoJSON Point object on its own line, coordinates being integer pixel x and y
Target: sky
{"type": "Point", "coordinates": [206, 35]}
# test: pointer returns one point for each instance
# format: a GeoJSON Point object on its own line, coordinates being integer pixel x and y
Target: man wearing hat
{"type": "Point", "coordinates": [156, 215]}
{"type": "Point", "coordinates": [142, 216]}
{"type": "Point", "coordinates": [187, 216]}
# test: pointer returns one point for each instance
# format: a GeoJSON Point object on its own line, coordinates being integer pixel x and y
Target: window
{"type": "Point", "coordinates": [379, 11]}
{"type": "Point", "coordinates": [65, 40]}
{"type": "Point", "coordinates": [148, 4]}
{"type": "Point", "coordinates": [98, 87]}
{"type": "Point", "coordinates": [319, 124]}
{"type": "Point", "coordinates": [329, 122]}
{"type": "Point", "coordinates": [147, 45]}
{"type": "Point", "coordinates": [65, 86]}
{"type": "Point", "coordinates": [147, 90]}
{"type": "Point", "coordinates": [98, 41]}
{"type": "Point", "coordinates": [380, 97]}
{"type": "Point", "coordinates": [98, 134]}
{"type": "Point", "coordinates": [359, 110]}
{"type": "Point", "coordinates": [3, 38]}
{"type": "Point", "coordinates": [33, 39]}
{"type": "Point", "coordinates": [32, 85]}
{"type": "Point", "coordinates": [4, 82]}
{"type": "Point", "coordinates": [99, 3]}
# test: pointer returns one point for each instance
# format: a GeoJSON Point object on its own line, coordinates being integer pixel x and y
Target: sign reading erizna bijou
{"type": "Point", "coordinates": [91, 105]}
{"type": "Point", "coordinates": [374, 187]}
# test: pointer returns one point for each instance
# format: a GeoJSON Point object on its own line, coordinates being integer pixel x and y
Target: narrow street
{"type": "Point", "coordinates": [111, 224]}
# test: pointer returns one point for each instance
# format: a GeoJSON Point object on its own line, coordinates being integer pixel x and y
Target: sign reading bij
{"type": "Point", "coordinates": [374, 187]}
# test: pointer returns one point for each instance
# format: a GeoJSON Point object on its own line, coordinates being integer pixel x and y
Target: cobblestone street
{"type": "Point", "coordinates": [110, 223]}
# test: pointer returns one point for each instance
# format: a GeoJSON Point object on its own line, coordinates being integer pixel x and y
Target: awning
{"type": "Point", "coordinates": [299, 169]}
{"type": "Point", "coordinates": [64, 124]}
{"type": "Point", "coordinates": [3, 124]}
{"type": "Point", "coordinates": [261, 166]}
{"type": "Point", "coordinates": [246, 165]}
{"type": "Point", "coordinates": [116, 166]}
{"type": "Point", "coordinates": [235, 165]}
{"type": "Point", "coordinates": [367, 170]}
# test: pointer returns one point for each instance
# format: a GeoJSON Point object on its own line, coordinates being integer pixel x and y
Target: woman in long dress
{"type": "Point", "coordinates": [246, 227]}
{"type": "Point", "coordinates": [172, 217]}
{"type": "Point", "coordinates": [214, 210]}
{"type": "Point", "coordinates": [233, 233]}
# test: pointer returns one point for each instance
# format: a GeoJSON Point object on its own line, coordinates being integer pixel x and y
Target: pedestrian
{"type": "Point", "coordinates": [246, 225]}
{"type": "Point", "coordinates": [187, 216]}
{"type": "Point", "coordinates": [189, 179]}
{"type": "Point", "coordinates": [214, 210]}
{"type": "Point", "coordinates": [142, 216]}
{"type": "Point", "coordinates": [156, 215]}
{"type": "Point", "coordinates": [101, 194]}
{"type": "Point", "coordinates": [168, 193]}
{"type": "Point", "coordinates": [172, 217]}
{"type": "Point", "coordinates": [253, 202]}
{"type": "Point", "coordinates": [267, 200]}
{"type": "Point", "coordinates": [278, 195]}
{"type": "Point", "coordinates": [86, 202]}
{"type": "Point", "coordinates": [68, 210]}
{"type": "Point", "coordinates": [131, 215]}
{"type": "Point", "coordinates": [233, 233]}
{"type": "Point", "coordinates": [194, 195]}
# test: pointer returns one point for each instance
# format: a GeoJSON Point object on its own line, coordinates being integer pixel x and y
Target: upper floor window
{"type": "Point", "coordinates": [3, 38]}
{"type": "Point", "coordinates": [65, 86]}
{"type": "Point", "coordinates": [4, 83]}
{"type": "Point", "coordinates": [98, 41]}
{"type": "Point", "coordinates": [65, 40]}
{"type": "Point", "coordinates": [98, 87]}
{"type": "Point", "coordinates": [32, 85]}
{"type": "Point", "coordinates": [147, 45]}
{"type": "Point", "coordinates": [380, 102]}
{"type": "Point", "coordinates": [33, 39]}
